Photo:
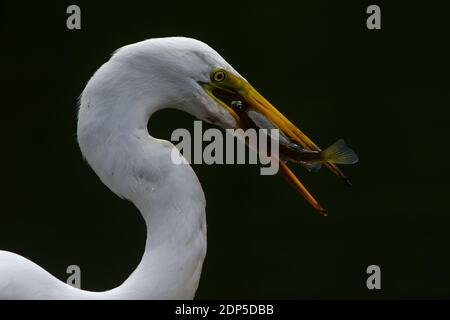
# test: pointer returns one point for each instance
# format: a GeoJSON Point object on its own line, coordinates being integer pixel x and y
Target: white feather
{"type": "Point", "coordinates": [114, 111]}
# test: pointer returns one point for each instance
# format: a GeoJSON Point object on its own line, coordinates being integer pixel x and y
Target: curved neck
{"type": "Point", "coordinates": [138, 167]}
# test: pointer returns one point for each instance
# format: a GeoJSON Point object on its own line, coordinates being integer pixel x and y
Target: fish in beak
{"type": "Point", "coordinates": [251, 110]}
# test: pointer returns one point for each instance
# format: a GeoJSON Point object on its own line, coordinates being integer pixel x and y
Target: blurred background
{"type": "Point", "coordinates": [386, 92]}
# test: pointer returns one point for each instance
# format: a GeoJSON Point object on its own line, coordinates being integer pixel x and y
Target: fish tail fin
{"type": "Point", "coordinates": [339, 153]}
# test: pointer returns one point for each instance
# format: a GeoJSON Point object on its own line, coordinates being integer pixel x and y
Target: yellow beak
{"type": "Point", "coordinates": [239, 89]}
{"type": "Point", "coordinates": [258, 102]}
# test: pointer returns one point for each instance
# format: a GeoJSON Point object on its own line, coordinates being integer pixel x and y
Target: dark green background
{"type": "Point", "coordinates": [385, 92]}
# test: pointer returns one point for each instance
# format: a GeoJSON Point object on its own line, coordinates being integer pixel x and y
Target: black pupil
{"type": "Point", "coordinates": [238, 105]}
{"type": "Point", "coordinates": [219, 76]}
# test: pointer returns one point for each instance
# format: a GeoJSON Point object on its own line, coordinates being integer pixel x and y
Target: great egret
{"type": "Point", "coordinates": [115, 108]}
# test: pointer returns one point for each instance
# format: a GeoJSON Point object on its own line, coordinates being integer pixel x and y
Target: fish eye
{"type": "Point", "coordinates": [218, 76]}
{"type": "Point", "coordinates": [237, 105]}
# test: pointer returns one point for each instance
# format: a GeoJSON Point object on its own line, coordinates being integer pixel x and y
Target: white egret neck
{"type": "Point", "coordinates": [113, 137]}
{"type": "Point", "coordinates": [115, 108]}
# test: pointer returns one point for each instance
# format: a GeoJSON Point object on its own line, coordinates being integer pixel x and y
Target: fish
{"type": "Point", "coordinates": [290, 151]}
{"type": "Point", "coordinates": [311, 159]}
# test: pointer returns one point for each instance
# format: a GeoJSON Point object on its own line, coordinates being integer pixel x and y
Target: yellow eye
{"type": "Point", "coordinates": [219, 76]}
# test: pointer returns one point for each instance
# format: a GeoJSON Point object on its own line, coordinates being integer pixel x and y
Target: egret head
{"type": "Point", "coordinates": [170, 73]}
{"type": "Point", "coordinates": [179, 73]}
{"type": "Point", "coordinates": [187, 74]}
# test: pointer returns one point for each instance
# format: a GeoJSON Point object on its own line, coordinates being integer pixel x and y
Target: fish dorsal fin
{"type": "Point", "coordinates": [261, 122]}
